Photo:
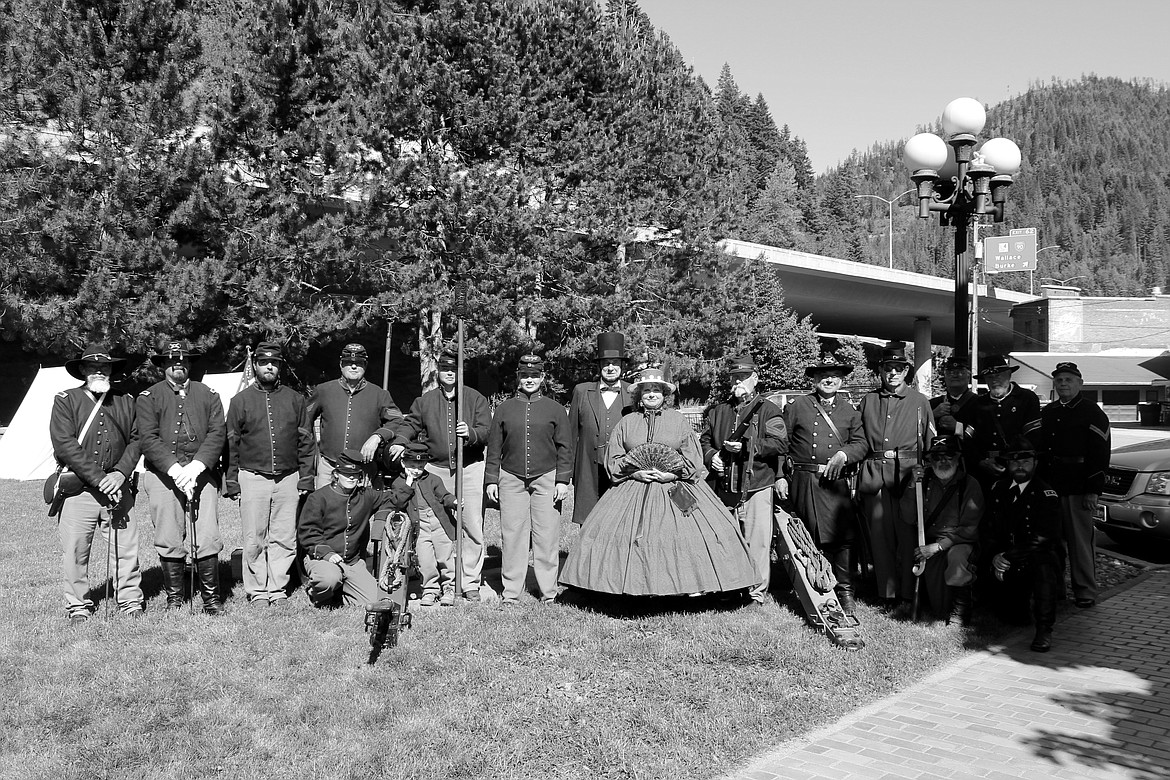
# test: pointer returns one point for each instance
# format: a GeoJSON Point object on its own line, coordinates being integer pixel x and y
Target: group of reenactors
{"type": "Point", "coordinates": [964, 492]}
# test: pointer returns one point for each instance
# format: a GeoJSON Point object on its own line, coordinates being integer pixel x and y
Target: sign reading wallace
{"type": "Point", "coordinates": [1015, 252]}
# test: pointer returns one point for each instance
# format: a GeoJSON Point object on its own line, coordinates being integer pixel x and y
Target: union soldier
{"type": "Point", "coordinates": [824, 439]}
{"type": "Point", "coordinates": [594, 410]}
{"type": "Point", "coordinates": [529, 465]}
{"type": "Point", "coordinates": [270, 466]}
{"type": "Point", "coordinates": [1024, 540]}
{"type": "Point", "coordinates": [95, 439]}
{"type": "Point", "coordinates": [953, 507]}
{"type": "Point", "coordinates": [182, 433]}
{"type": "Point", "coordinates": [1000, 415]}
{"type": "Point", "coordinates": [743, 441]}
{"type": "Point", "coordinates": [434, 420]}
{"type": "Point", "coordinates": [1075, 436]}
{"type": "Point", "coordinates": [897, 423]}
{"type": "Point", "coordinates": [334, 532]}
{"type": "Point", "coordinates": [952, 410]}
{"type": "Point", "coordinates": [354, 414]}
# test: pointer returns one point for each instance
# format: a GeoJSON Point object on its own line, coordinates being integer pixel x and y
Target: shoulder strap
{"type": "Point", "coordinates": [85, 428]}
{"type": "Point", "coordinates": [829, 420]}
{"type": "Point", "coordinates": [947, 495]}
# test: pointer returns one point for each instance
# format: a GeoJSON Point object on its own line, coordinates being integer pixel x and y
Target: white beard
{"type": "Point", "coordinates": [97, 386]}
{"type": "Point", "coordinates": [946, 473]}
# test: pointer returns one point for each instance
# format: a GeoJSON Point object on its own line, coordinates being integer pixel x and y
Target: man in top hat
{"type": "Point", "coordinates": [824, 439]}
{"type": "Point", "coordinates": [953, 508]}
{"type": "Point", "coordinates": [529, 465]}
{"type": "Point", "coordinates": [435, 421]}
{"type": "Point", "coordinates": [898, 425]}
{"type": "Point", "coordinates": [1024, 542]}
{"type": "Point", "coordinates": [952, 410]}
{"type": "Point", "coordinates": [999, 415]}
{"type": "Point", "coordinates": [743, 441]}
{"type": "Point", "coordinates": [354, 414]}
{"type": "Point", "coordinates": [595, 409]}
{"type": "Point", "coordinates": [1074, 435]}
{"type": "Point", "coordinates": [182, 432]}
{"type": "Point", "coordinates": [270, 466]}
{"type": "Point", "coordinates": [334, 532]}
{"type": "Point", "coordinates": [95, 439]}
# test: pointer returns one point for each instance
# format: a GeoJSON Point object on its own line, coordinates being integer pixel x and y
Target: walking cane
{"type": "Point", "coordinates": [920, 566]}
{"type": "Point", "coordinates": [460, 313]}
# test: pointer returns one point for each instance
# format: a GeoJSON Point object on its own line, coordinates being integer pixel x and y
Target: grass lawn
{"type": "Point", "coordinates": [556, 691]}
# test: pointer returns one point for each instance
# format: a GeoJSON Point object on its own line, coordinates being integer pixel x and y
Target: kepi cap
{"type": "Point", "coordinates": [1067, 367]}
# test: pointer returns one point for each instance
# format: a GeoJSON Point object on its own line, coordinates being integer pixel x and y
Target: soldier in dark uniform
{"type": "Point", "coordinates": [594, 410]}
{"type": "Point", "coordinates": [1000, 415]}
{"type": "Point", "coordinates": [743, 441]}
{"type": "Point", "coordinates": [182, 432]}
{"type": "Point", "coordinates": [1024, 540]}
{"type": "Point", "coordinates": [1074, 436]}
{"type": "Point", "coordinates": [94, 437]}
{"type": "Point", "coordinates": [824, 438]}
{"type": "Point", "coordinates": [952, 410]}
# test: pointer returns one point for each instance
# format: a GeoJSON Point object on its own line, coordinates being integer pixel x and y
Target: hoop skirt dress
{"type": "Point", "coordinates": [655, 538]}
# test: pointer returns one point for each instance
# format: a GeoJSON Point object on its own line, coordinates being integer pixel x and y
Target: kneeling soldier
{"type": "Point", "coordinates": [334, 531]}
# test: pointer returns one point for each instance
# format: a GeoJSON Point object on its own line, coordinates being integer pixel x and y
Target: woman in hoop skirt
{"type": "Point", "coordinates": [660, 531]}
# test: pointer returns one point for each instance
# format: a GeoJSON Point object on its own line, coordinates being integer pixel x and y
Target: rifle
{"type": "Point", "coordinates": [920, 566]}
{"type": "Point", "coordinates": [733, 468]}
{"type": "Point", "coordinates": [387, 617]}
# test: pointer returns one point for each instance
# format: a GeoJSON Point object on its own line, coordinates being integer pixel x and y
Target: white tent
{"type": "Point", "coordinates": [25, 450]}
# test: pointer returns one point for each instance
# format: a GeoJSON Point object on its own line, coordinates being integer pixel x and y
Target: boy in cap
{"type": "Point", "coordinates": [421, 494]}
{"type": "Point", "coordinates": [270, 466]}
{"type": "Point", "coordinates": [95, 438]}
{"type": "Point", "coordinates": [529, 465]}
{"type": "Point", "coordinates": [182, 432]}
{"type": "Point", "coordinates": [354, 414]}
{"type": "Point", "coordinates": [334, 532]}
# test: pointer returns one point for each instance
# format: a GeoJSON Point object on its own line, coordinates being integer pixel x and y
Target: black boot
{"type": "Point", "coordinates": [208, 571]}
{"type": "Point", "coordinates": [960, 598]}
{"type": "Point", "coordinates": [841, 560]}
{"type": "Point", "coordinates": [172, 571]}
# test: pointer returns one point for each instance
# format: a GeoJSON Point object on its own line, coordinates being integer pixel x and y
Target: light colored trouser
{"type": "Point", "coordinates": [168, 510]}
{"type": "Point", "coordinates": [80, 517]}
{"type": "Point", "coordinates": [529, 523]}
{"type": "Point", "coordinates": [357, 584]}
{"type": "Point", "coordinates": [756, 523]}
{"type": "Point", "coordinates": [1080, 542]}
{"type": "Point", "coordinates": [436, 554]}
{"type": "Point", "coordinates": [472, 519]}
{"type": "Point", "coordinates": [893, 531]}
{"type": "Point", "coordinates": [268, 519]}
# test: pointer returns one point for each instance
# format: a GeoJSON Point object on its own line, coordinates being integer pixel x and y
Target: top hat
{"type": "Point", "coordinates": [652, 376]}
{"type": "Point", "coordinates": [268, 350]}
{"type": "Point", "coordinates": [828, 362]}
{"type": "Point", "coordinates": [176, 349]}
{"type": "Point", "coordinates": [741, 364]}
{"type": "Point", "coordinates": [95, 353]}
{"type": "Point", "coordinates": [416, 452]}
{"type": "Point", "coordinates": [530, 363]}
{"type": "Point", "coordinates": [894, 352]}
{"type": "Point", "coordinates": [611, 345]}
{"type": "Point", "coordinates": [349, 463]}
{"type": "Point", "coordinates": [949, 444]}
{"type": "Point", "coordinates": [956, 362]}
{"type": "Point", "coordinates": [993, 364]}
{"type": "Point", "coordinates": [355, 353]}
{"type": "Point", "coordinates": [1066, 367]}
{"type": "Point", "coordinates": [448, 359]}
{"type": "Point", "coordinates": [1019, 447]}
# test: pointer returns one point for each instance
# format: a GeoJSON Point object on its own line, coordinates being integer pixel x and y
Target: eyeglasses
{"type": "Point", "coordinates": [267, 362]}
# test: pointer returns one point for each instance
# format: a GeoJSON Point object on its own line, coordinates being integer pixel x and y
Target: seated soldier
{"type": "Point", "coordinates": [952, 506]}
{"type": "Point", "coordinates": [1024, 539]}
{"type": "Point", "coordinates": [334, 532]}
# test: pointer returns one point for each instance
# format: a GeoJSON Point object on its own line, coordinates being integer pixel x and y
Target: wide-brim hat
{"type": "Point", "coordinates": [95, 353]}
{"type": "Point", "coordinates": [894, 352]}
{"type": "Point", "coordinates": [174, 350]}
{"type": "Point", "coordinates": [652, 376]}
{"type": "Point", "coordinates": [829, 363]}
{"type": "Point", "coordinates": [742, 364]}
{"type": "Point", "coordinates": [948, 444]}
{"type": "Point", "coordinates": [611, 345]}
{"type": "Point", "coordinates": [1017, 447]}
{"type": "Point", "coordinates": [993, 364]}
{"type": "Point", "coordinates": [1067, 367]}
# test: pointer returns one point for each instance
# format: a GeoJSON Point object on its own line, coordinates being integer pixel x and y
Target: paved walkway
{"type": "Point", "coordinates": [1096, 706]}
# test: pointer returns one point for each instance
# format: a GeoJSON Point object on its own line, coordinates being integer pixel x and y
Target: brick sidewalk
{"type": "Point", "coordinates": [1097, 706]}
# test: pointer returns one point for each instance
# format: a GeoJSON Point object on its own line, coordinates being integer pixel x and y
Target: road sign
{"type": "Point", "coordinates": [1015, 252]}
{"type": "Point", "coordinates": [1022, 232]}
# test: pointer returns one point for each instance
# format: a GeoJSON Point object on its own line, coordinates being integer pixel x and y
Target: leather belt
{"type": "Point", "coordinates": [812, 468]}
{"type": "Point", "coordinates": [891, 454]}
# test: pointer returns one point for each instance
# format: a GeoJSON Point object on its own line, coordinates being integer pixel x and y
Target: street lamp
{"type": "Point", "coordinates": [890, 204]}
{"type": "Point", "coordinates": [961, 182]}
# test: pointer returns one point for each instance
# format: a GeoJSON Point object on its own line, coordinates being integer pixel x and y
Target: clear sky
{"type": "Point", "coordinates": [844, 74]}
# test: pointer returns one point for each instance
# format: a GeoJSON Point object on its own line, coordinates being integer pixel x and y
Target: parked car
{"type": "Point", "coordinates": [1135, 504]}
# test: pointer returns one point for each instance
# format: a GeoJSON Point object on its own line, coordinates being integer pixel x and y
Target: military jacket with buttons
{"type": "Point", "coordinates": [179, 425]}
{"type": "Point", "coordinates": [268, 433]}
{"type": "Point", "coordinates": [996, 423]}
{"type": "Point", "coordinates": [812, 441]}
{"type": "Point", "coordinates": [1074, 438]}
{"type": "Point", "coordinates": [529, 437]}
{"type": "Point", "coordinates": [1019, 527]}
{"type": "Point", "coordinates": [110, 444]}
{"type": "Point", "coordinates": [897, 427]}
{"type": "Point", "coordinates": [349, 417]}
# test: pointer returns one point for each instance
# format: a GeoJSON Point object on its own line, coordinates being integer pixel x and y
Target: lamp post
{"type": "Point", "coordinates": [961, 183]}
{"type": "Point", "coordinates": [890, 205]}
